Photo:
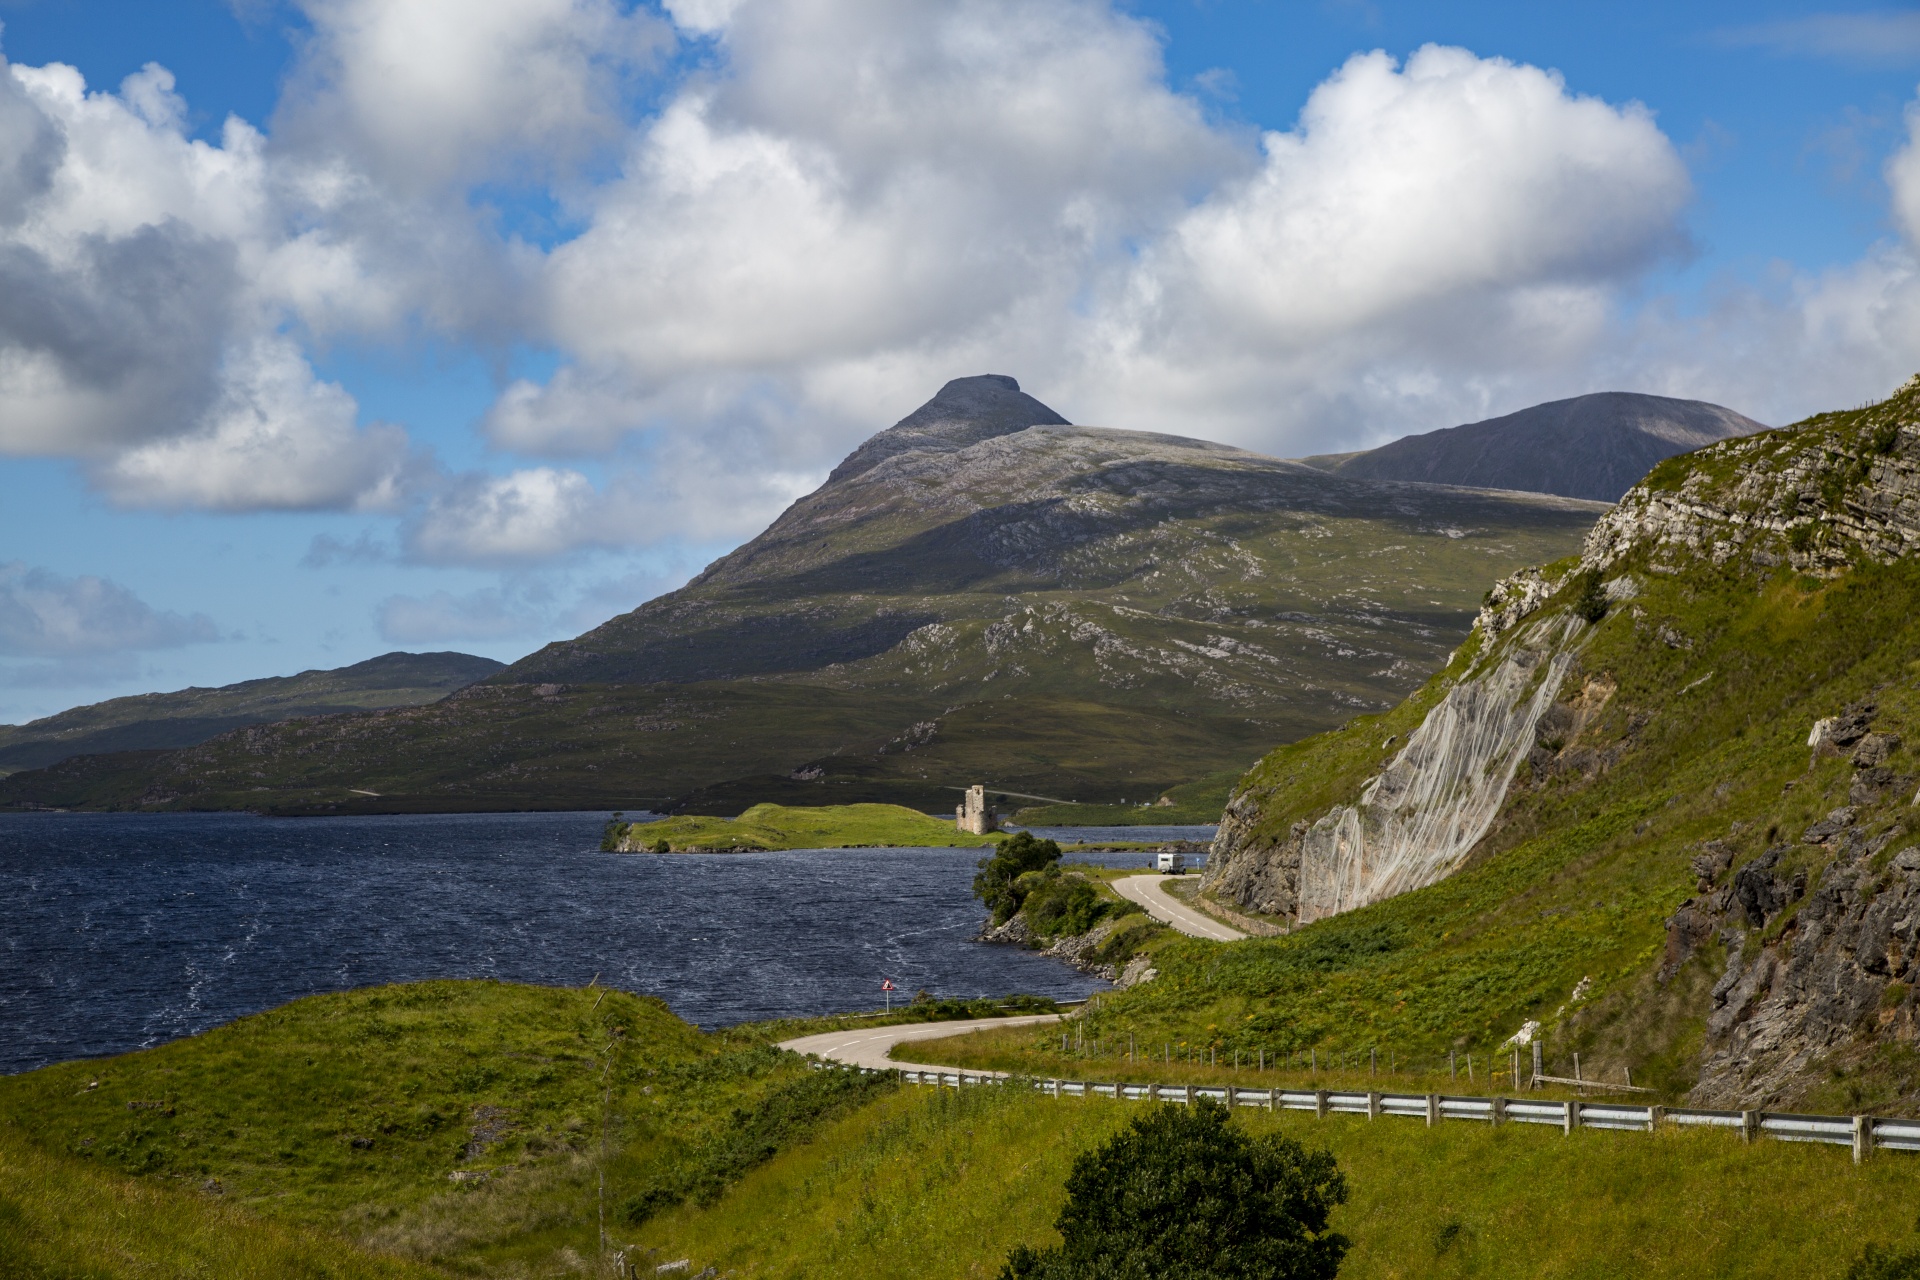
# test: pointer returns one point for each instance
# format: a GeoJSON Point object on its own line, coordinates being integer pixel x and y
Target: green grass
{"type": "Point", "coordinates": [348, 1113]}
{"type": "Point", "coordinates": [1192, 803]}
{"type": "Point", "coordinates": [773, 826]}
{"type": "Point", "coordinates": [940, 1184]}
{"type": "Point", "coordinates": [64, 1218]}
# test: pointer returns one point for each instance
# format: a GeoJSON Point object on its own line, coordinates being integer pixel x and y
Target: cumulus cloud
{"type": "Point", "coordinates": [421, 93]}
{"type": "Point", "coordinates": [538, 513]}
{"type": "Point", "coordinates": [43, 614]}
{"type": "Point", "coordinates": [137, 322]}
{"type": "Point", "coordinates": [1458, 214]}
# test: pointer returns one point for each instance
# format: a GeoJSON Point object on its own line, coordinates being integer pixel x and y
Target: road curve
{"type": "Point", "coordinates": [1150, 892]}
{"type": "Point", "coordinates": [868, 1047]}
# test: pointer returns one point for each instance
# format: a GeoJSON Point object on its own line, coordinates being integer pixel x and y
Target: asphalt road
{"type": "Point", "coordinates": [868, 1047]}
{"type": "Point", "coordinates": [1150, 892]}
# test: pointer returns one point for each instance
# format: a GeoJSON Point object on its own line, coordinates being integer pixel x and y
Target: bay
{"type": "Point", "coordinates": [127, 930]}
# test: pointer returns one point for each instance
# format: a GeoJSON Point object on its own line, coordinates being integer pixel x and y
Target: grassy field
{"type": "Point", "coordinates": [937, 1185]}
{"type": "Point", "coordinates": [64, 1217]}
{"type": "Point", "coordinates": [350, 1114]}
{"type": "Point", "coordinates": [773, 826]}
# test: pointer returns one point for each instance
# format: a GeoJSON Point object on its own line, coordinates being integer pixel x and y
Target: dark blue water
{"type": "Point", "coordinates": [127, 930]}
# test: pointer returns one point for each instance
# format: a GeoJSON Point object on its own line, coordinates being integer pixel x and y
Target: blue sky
{"type": "Point", "coordinates": [493, 319]}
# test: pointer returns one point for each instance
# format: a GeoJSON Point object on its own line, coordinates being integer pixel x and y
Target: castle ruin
{"type": "Point", "coordinates": [972, 815]}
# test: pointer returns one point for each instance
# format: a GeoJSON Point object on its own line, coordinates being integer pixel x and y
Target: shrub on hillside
{"type": "Point", "coordinates": [1877, 1263]}
{"type": "Point", "coordinates": [1591, 603]}
{"type": "Point", "coordinates": [1016, 855]}
{"type": "Point", "coordinates": [1185, 1192]}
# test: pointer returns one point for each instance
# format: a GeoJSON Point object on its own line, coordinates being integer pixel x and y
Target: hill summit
{"type": "Point", "coordinates": [1594, 446]}
{"type": "Point", "coordinates": [982, 591]}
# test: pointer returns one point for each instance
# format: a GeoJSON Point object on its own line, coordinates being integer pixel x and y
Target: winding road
{"type": "Point", "coordinates": [869, 1046]}
{"type": "Point", "coordinates": [1150, 892]}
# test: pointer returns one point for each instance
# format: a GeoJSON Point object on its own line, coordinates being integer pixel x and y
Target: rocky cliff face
{"type": "Point", "coordinates": [1419, 818]}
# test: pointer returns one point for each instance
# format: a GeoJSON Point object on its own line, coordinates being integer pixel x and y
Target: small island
{"type": "Point", "coordinates": [773, 826]}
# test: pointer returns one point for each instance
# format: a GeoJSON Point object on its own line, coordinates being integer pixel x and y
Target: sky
{"type": "Point", "coordinates": [333, 327]}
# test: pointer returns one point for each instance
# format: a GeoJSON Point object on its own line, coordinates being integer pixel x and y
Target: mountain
{"type": "Point", "coordinates": [1595, 446]}
{"type": "Point", "coordinates": [981, 592]}
{"type": "Point", "coordinates": [188, 717]}
{"type": "Point", "coordinates": [1658, 808]}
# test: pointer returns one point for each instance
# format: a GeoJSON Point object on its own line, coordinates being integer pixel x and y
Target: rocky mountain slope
{"type": "Point", "coordinates": [1662, 800]}
{"type": "Point", "coordinates": [980, 593]}
{"type": "Point", "coordinates": [187, 717]}
{"type": "Point", "coordinates": [1593, 446]}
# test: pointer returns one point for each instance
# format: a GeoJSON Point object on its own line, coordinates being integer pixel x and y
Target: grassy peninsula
{"type": "Point", "coordinates": [776, 826]}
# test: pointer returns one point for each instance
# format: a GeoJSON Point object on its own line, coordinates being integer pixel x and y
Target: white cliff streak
{"type": "Point", "coordinates": [1417, 822]}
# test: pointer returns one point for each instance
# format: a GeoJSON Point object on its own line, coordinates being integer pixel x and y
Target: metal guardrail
{"type": "Point", "coordinates": [1863, 1133]}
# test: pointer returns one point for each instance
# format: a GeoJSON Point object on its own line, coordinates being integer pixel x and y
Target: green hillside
{"type": "Point", "coordinates": [1677, 882]}
{"type": "Point", "coordinates": [1064, 613]}
{"type": "Point", "coordinates": [187, 717]}
{"type": "Point", "coordinates": [321, 1139]}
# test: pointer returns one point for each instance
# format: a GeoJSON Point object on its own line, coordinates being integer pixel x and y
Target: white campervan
{"type": "Point", "coordinates": [1172, 864]}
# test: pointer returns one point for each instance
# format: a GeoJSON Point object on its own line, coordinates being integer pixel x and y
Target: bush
{"type": "Point", "coordinates": [1062, 905]}
{"type": "Point", "coordinates": [1877, 1263]}
{"type": "Point", "coordinates": [1591, 603]}
{"type": "Point", "coordinates": [1184, 1192]}
{"type": "Point", "coordinates": [1016, 856]}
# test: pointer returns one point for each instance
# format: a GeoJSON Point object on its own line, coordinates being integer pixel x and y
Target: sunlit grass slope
{"type": "Point", "coordinates": [64, 1217]}
{"type": "Point", "coordinates": [1704, 739]}
{"type": "Point", "coordinates": [939, 1185]}
{"type": "Point", "coordinates": [351, 1112]}
{"type": "Point", "coordinates": [773, 826]}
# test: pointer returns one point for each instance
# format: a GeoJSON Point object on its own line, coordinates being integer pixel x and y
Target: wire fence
{"type": "Point", "coordinates": [1865, 1134]}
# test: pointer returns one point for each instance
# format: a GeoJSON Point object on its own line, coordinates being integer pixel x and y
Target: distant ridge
{"type": "Point", "coordinates": [1594, 446]}
{"type": "Point", "coordinates": [188, 717]}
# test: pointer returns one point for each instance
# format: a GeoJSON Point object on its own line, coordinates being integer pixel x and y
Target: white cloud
{"type": "Point", "coordinates": [43, 614]}
{"type": "Point", "coordinates": [698, 494]}
{"type": "Point", "coordinates": [276, 439]}
{"type": "Point", "coordinates": [426, 92]}
{"type": "Point", "coordinates": [137, 325]}
{"type": "Point", "coordinates": [1460, 219]}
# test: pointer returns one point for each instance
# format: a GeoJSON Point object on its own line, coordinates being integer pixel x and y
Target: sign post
{"type": "Point", "coordinates": [886, 985]}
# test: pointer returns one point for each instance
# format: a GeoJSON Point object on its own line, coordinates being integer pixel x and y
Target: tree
{"type": "Point", "coordinates": [1184, 1194]}
{"type": "Point", "coordinates": [1591, 603]}
{"type": "Point", "coordinates": [1017, 855]}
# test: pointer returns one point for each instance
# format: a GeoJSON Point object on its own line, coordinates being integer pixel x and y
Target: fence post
{"type": "Point", "coordinates": [1516, 1068]}
{"type": "Point", "coordinates": [1153, 1092]}
{"type": "Point", "coordinates": [1499, 1111]}
{"type": "Point", "coordinates": [1373, 1105]}
{"type": "Point", "coordinates": [1320, 1103]}
{"type": "Point", "coordinates": [1862, 1137]}
{"type": "Point", "coordinates": [1569, 1116]}
{"type": "Point", "coordinates": [1433, 1110]}
{"type": "Point", "coordinates": [1654, 1116]}
{"type": "Point", "coordinates": [1056, 1087]}
{"type": "Point", "coordinates": [1188, 1098]}
{"type": "Point", "coordinates": [1749, 1125]}
{"type": "Point", "coordinates": [1232, 1096]}
{"type": "Point", "coordinates": [1535, 1082]}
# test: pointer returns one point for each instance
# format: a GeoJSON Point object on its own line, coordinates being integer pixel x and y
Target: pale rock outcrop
{"type": "Point", "coordinates": [1417, 821]}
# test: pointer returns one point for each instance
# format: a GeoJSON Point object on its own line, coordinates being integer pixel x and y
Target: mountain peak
{"type": "Point", "coordinates": [964, 412]}
{"type": "Point", "coordinates": [1593, 446]}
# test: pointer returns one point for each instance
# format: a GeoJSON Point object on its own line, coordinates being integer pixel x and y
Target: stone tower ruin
{"type": "Point", "coordinates": [972, 815]}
